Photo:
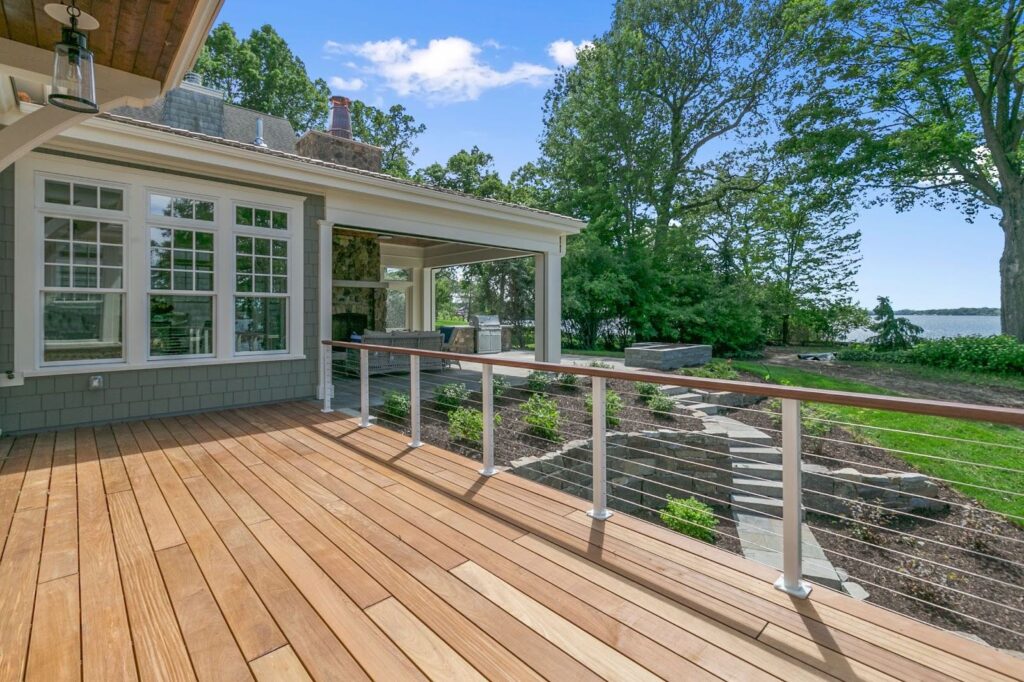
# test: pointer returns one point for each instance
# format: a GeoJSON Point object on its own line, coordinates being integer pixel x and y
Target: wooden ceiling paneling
{"type": "Point", "coordinates": [139, 36]}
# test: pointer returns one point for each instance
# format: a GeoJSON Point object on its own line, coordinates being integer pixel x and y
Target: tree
{"type": "Point", "coordinates": [891, 332]}
{"type": "Point", "coordinates": [262, 73]}
{"type": "Point", "coordinates": [469, 172]}
{"type": "Point", "coordinates": [924, 101]}
{"type": "Point", "coordinates": [394, 131]}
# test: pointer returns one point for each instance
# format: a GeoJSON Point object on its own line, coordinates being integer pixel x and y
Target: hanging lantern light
{"type": "Point", "coordinates": [74, 86]}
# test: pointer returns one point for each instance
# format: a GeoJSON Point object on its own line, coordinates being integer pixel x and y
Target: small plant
{"type": "Point", "coordinates": [646, 390]}
{"type": "Point", "coordinates": [450, 397]}
{"type": "Point", "coordinates": [867, 521]}
{"type": "Point", "coordinates": [716, 369]}
{"type": "Point", "coordinates": [597, 364]}
{"type": "Point", "coordinates": [467, 425]}
{"type": "Point", "coordinates": [570, 382]}
{"type": "Point", "coordinates": [612, 406]}
{"type": "Point", "coordinates": [661, 405]}
{"type": "Point", "coordinates": [500, 385]}
{"type": "Point", "coordinates": [542, 415]}
{"type": "Point", "coordinates": [397, 404]}
{"type": "Point", "coordinates": [690, 517]}
{"type": "Point", "coordinates": [539, 381]}
{"type": "Point", "coordinates": [891, 332]}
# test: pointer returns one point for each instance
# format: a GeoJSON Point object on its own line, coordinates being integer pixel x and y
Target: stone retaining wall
{"type": "Point", "coordinates": [843, 487]}
{"type": "Point", "coordinates": [644, 468]}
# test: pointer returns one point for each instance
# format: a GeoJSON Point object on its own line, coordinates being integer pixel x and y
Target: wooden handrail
{"type": "Point", "coordinates": [936, 408]}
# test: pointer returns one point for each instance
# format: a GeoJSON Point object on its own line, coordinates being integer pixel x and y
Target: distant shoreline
{"type": "Point", "coordinates": [961, 312]}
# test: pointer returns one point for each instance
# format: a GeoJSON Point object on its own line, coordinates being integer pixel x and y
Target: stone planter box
{"type": "Point", "coordinates": [667, 356]}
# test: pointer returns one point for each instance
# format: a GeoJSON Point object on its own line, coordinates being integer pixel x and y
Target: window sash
{"type": "Point", "coordinates": [193, 338]}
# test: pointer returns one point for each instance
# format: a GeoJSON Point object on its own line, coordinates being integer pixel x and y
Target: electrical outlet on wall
{"type": "Point", "coordinates": [11, 378]}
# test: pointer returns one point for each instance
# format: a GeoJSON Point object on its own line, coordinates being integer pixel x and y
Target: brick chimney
{"type": "Point", "coordinates": [336, 145]}
{"type": "Point", "coordinates": [341, 118]}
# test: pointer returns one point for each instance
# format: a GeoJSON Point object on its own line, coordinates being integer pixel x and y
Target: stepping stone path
{"type": "Point", "coordinates": [757, 495]}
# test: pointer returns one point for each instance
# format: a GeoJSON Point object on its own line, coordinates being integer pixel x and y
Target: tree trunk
{"type": "Point", "coordinates": [785, 330]}
{"type": "Point", "coordinates": [1011, 270]}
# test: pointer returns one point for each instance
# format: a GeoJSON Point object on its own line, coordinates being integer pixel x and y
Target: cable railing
{"type": "Point", "coordinates": [930, 527]}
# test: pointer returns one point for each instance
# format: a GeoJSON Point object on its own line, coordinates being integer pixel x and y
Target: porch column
{"type": "Point", "coordinates": [428, 311]}
{"type": "Point", "coordinates": [325, 271]}
{"type": "Point", "coordinates": [547, 330]}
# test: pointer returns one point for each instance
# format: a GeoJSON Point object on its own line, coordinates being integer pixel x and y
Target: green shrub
{"type": "Point", "coordinates": [601, 365]}
{"type": "Point", "coordinates": [539, 381]}
{"type": "Point", "coordinates": [450, 396]}
{"type": "Point", "coordinates": [397, 404]}
{"type": "Point", "coordinates": [467, 425]}
{"type": "Point", "coordinates": [542, 415]}
{"type": "Point", "coordinates": [646, 390]}
{"type": "Point", "coordinates": [716, 369]}
{"type": "Point", "coordinates": [500, 385]}
{"type": "Point", "coordinates": [991, 354]}
{"type": "Point", "coordinates": [612, 406]}
{"type": "Point", "coordinates": [570, 382]}
{"type": "Point", "coordinates": [661, 405]}
{"type": "Point", "coordinates": [690, 517]}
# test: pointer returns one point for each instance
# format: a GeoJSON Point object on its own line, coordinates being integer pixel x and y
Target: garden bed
{"type": "Point", "coordinates": [901, 572]}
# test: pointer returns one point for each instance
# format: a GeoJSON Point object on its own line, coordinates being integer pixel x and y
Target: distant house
{"type": "Point", "coordinates": [191, 254]}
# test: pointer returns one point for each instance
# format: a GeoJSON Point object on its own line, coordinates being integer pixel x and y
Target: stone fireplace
{"type": "Point", "coordinates": [359, 298]}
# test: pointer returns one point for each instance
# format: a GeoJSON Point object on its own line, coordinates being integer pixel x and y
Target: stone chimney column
{"type": "Point", "coordinates": [341, 118]}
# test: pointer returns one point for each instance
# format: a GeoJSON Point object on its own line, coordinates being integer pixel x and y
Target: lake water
{"type": "Point", "coordinates": [937, 326]}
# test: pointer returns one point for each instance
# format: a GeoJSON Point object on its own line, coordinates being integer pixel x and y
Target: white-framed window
{"type": "Point", "coordinates": [136, 269]}
{"type": "Point", "coordinates": [82, 230]}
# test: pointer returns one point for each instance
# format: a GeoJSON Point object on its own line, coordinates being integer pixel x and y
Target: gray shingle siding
{"type": "Point", "coordinates": [63, 401]}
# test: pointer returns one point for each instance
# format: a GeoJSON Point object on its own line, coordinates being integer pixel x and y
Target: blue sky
{"type": "Point", "coordinates": [476, 72]}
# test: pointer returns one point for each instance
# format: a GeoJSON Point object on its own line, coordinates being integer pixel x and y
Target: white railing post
{"type": "Point", "coordinates": [327, 380]}
{"type": "Point", "coordinates": [414, 400]}
{"type": "Point", "coordinates": [791, 581]}
{"type": "Point", "coordinates": [364, 387]}
{"type": "Point", "coordinates": [487, 396]}
{"type": "Point", "coordinates": [599, 480]}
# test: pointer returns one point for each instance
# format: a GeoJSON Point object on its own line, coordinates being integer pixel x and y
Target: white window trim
{"type": "Point", "coordinates": [264, 233]}
{"type": "Point", "coordinates": [29, 206]}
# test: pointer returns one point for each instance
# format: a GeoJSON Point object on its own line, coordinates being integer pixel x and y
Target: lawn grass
{"type": "Point", "coordinates": [595, 353]}
{"type": "Point", "coordinates": [919, 440]}
{"type": "Point", "coordinates": [451, 322]}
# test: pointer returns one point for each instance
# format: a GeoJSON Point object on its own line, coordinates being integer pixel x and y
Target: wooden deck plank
{"type": "Point", "coordinates": [106, 638]}
{"type": "Point", "coordinates": [18, 571]}
{"type": "Point", "coordinates": [320, 651]}
{"type": "Point", "coordinates": [54, 654]}
{"type": "Point", "coordinates": [35, 486]}
{"type": "Point", "coordinates": [282, 543]}
{"type": "Point", "coordinates": [159, 646]}
{"type": "Point", "coordinates": [431, 653]}
{"type": "Point", "coordinates": [281, 665]}
{"type": "Point", "coordinates": [245, 613]}
{"type": "Point", "coordinates": [60, 540]}
{"type": "Point", "coordinates": [160, 524]}
{"type": "Point", "coordinates": [377, 654]}
{"type": "Point", "coordinates": [213, 651]}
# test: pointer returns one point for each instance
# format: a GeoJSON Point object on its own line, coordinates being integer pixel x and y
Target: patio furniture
{"type": "Point", "coordinates": [387, 363]}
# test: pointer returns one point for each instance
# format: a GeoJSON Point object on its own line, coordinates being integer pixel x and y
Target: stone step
{"type": "Point", "coordinates": [706, 408]}
{"type": "Point", "coordinates": [750, 455]}
{"type": "Point", "coordinates": [681, 392]}
{"type": "Point", "coordinates": [771, 489]}
{"type": "Point", "coordinates": [770, 472]}
{"type": "Point", "coordinates": [761, 540]}
{"type": "Point", "coordinates": [749, 504]}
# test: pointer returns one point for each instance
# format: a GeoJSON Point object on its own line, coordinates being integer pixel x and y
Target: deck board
{"type": "Point", "coordinates": [280, 543]}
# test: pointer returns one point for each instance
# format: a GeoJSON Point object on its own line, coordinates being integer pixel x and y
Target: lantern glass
{"type": "Point", "coordinates": [74, 86]}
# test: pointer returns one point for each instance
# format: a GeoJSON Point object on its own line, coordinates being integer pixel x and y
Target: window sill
{"type": "Point", "coordinates": [102, 368]}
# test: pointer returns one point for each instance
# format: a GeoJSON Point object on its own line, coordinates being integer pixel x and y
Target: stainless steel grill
{"type": "Point", "coordinates": [488, 333]}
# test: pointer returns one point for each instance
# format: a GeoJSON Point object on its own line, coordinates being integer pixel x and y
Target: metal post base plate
{"type": "Point", "coordinates": [600, 515]}
{"type": "Point", "coordinates": [488, 471]}
{"type": "Point", "coordinates": [326, 410]}
{"type": "Point", "coordinates": [414, 444]}
{"type": "Point", "coordinates": [801, 591]}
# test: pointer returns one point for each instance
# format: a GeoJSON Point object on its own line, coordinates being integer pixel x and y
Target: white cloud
{"type": "Point", "coordinates": [564, 51]}
{"type": "Point", "coordinates": [343, 85]}
{"type": "Point", "coordinates": [447, 69]}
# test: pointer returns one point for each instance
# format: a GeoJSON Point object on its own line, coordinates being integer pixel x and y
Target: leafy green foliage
{"type": "Point", "coordinates": [467, 425]}
{"type": "Point", "coordinates": [542, 416]}
{"type": "Point", "coordinates": [539, 381]}
{"type": "Point", "coordinates": [262, 73]}
{"type": "Point", "coordinates": [568, 381]}
{"type": "Point", "coordinates": [891, 332]}
{"type": "Point", "coordinates": [716, 369]}
{"type": "Point", "coordinates": [690, 517]}
{"type": "Point", "coordinates": [597, 364]}
{"type": "Point", "coordinates": [661, 405]}
{"type": "Point", "coordinates": [394, 131]}
{"type": "Point", "coordinates": [646, 390]}
{"type": "Point", "coordinates": [612, 406]}
{"type": "Point", "coordinates": [981, 354]}
{"type": "Point", "coordinates": [450, 397]}
{"type": "Point", "coordinates": [397, 404]}
{"type": "Point", "coordinates": [500, 385]}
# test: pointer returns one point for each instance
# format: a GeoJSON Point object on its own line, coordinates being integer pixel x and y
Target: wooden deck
{"type": "Point", "coordinates": [279, 543]}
